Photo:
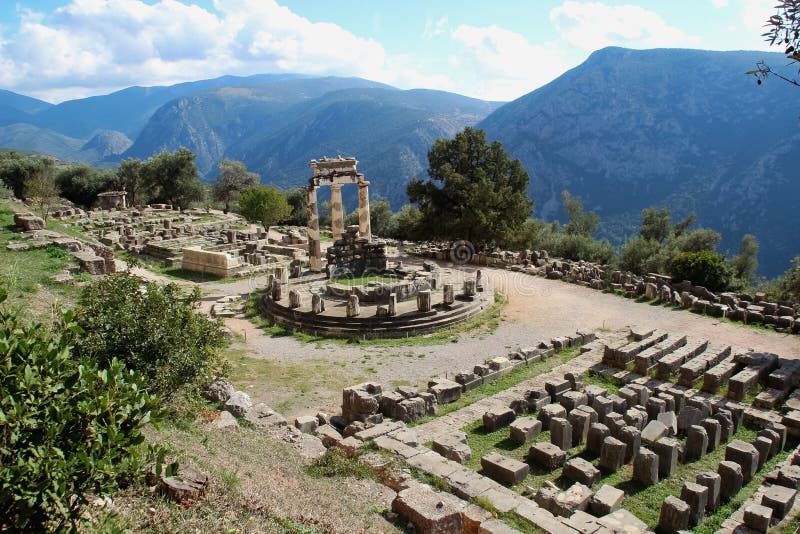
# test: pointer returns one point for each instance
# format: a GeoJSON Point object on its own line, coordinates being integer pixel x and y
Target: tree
{"type": "Point", "coordinates": [233, 179]}
{"type": "Point", "coordinates": [482, 197]}
{"type": "Point", "coordinates": [15, 170]}
{"type": "Point", "coordinates": [655, 224]}
{"type": "Point", "coordinates": [297, 198]}
{"type": "Point", "coordinates": [381, 218]}
{"type": "Point", "coordinates": [154, 329]}
{"type": "Point", "coordinates": [41, 188]}
{"type": "Point", "coordinates": [130, 175]}
{"type": "Point", "coordinates": [265, 205]}
{"type": "Point", "coordinates": [172, 176]}
{"type": "Point", "coordinates": [579, 221]}
{"type": "Point", "coordinates": [783, 30]}
{"type": "Point", "coordinates": [786, 288]}
{"type": "Point", "coordinates": [704, 268]}
{"type": "Point", "coordinates": [407, 223]}
{"type": "Point", "coordinates": [68, 429]}
{"type": "Point", "coordinates": [81, 183]}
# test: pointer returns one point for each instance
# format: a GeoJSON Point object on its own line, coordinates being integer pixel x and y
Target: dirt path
{"type": "Point", "coordinates": [304, 377]}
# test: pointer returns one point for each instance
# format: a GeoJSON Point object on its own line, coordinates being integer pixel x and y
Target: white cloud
{"type": "Point", "coordinates": [505, 65]}
{"type": "Point", "coordinates": [90, 46]}
{"type": "Point", "coordinates": [720, 3]}
{"type": "Point", "coordinates": [432, 29]}
{"type": "Point", "coordinates": [593, 25]}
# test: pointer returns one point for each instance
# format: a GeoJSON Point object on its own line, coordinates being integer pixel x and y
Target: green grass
{"type": "Point", "coordinates": [511, 378]}
{"type": "Point", "coordinates": [175, 272]}
{"type": "Point", "coordinates": [364, 280]}
{"type": "Point", "coordinates": [335, 463]}
{"type": "Point", "coordinates": [596, 379]}
{"type": "Point", "coordinates": [643, 501]}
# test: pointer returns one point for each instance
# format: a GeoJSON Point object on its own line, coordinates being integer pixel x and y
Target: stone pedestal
{"type": "Point", "coordinates": [277, 291]}
{"type": "Point", "coordinates": [317, 304]}
{"type": "Point", "coordinates": [282, 274]}
{"type": "Point", "coordinates": [392, 304]}
{"type": "Point", "coordinates": [363, 210]}
{"type": "Point", "coordinates": [424, 300]}
{"type": "Point", "coordinates": [449, 294]}
{"type": "Point", "coordinates": [314, 248]}
{"type": "Point", "coordinates": [294, 298]}
{"type": "Point", "coordinates": [337, 212]}
{"type": "Point", "coordinates": [353, 309]}
{"type": "Point", "coordinates": [469, 288]}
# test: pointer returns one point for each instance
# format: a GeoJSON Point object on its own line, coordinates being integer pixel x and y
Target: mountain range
{"type": "Point", "coordinates": [625, 130]}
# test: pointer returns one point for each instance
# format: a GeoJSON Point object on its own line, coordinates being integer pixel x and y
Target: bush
{"type": "Point", "coordinates": [704, 268]}
{"type": "Point", "coordinates": [67, 428]}
{"type": "Point", "coordinates": [153, 329]}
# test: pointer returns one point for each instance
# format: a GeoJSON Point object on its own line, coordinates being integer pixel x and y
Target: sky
{"type": "Point", "coordinates": [58, 50]}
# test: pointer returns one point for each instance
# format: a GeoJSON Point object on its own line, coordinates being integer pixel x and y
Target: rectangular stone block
{"type": "Point", "coordinates": [745, 455]}
{"type": "Point", "coordinates": [606, 500]}
{"type": "Point", "coordinates": [525, 429]}
{"type": "Point", "coordinates": [497, 418]}
{"type": "Point", "coordinates": [579, 470]}
{"type": "Point", "coordinates": [547, 455]}
{"type": "Point", "coordinates": [504, 469]}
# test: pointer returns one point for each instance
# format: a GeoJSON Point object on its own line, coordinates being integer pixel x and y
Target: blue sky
{"type": "Point", "coordinates": [498, 50]}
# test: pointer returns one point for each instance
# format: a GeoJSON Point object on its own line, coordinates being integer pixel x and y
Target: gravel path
{"type": "Point", "coordinates": [537, 309]}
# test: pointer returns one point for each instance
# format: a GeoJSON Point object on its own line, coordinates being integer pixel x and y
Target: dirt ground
{"type": "Point", "coordinates": [297, 377]}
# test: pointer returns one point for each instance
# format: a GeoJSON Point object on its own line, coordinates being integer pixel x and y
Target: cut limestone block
{"type": "Point", "coordinates": [579, 470]}
{"type": "Point", "coordinates": [453, 446]}
{"type": "Point", "coordinates": [561, 433]}
{"type": "Point", "coordinates": [667, 451]}
{"type": "Point", "coordinates": [731, 479]}
{"type": "Point", "coordinates": [675, 515]}
{"type": "Point", "coordinates": [696, 442]}
{"type": "Point", "coordinates": [497, 418]}
{"type": "Point", "coordinates": [598, 432]}
{"type": "Point", "coordinates": [757, 517]}
{"type": "Point", "coordinates": [612, 454]}
{"type": "Point", "coordinates": [504, 469]}
{"type": "Point", "coordinates": [547, 455]}
{"type": "Point", "coordinates": [525, 429]}
{"type": "Point", "coordinates": [712, 481]}
{"type": "Point", "coordinates": [427, 510]}
{"type": "Point", "coordinates": [744, 454]}
{"type": "Point", "coordinates": [645, 467]}
{"type": "Point", "coordinates": [696, 496]}
{"type": "Point", "coordinates": [576, 497]}
{"type": "Point", "coordinates": [608, 499]}
{"type": "Point", "coordinates": [779, 499]}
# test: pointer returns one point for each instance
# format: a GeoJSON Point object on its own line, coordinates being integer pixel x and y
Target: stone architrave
{"type": "Point", "coordinates": [449, 294]}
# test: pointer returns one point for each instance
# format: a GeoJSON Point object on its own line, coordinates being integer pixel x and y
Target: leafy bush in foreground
{"type": "Point", "coordinates": [68, 429]}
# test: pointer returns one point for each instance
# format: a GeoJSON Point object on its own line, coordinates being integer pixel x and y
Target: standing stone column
{"type": "Point", "coordinates": [277, 290]}
{"type": "Point", "coordinates": [353, 308]}
{"type": "Point", "coordinates": [317, 304]}
{"type": "Point", "coordinates": [469, 287]}
{"type": "Point", "coordinates": [294, 298]}
{"type": "Point", "coordinates": [424, 300]}
{"type": "Point", "coordinates": [449, 294]}
{"type": "Point", "coordinates": [363, 210]}
{"type": "Point", "coordinates": [337, 212]}
{"type": "Point", "coordinates": [314, 249]}
{"type": "Point", "coordinates": [392, 304]}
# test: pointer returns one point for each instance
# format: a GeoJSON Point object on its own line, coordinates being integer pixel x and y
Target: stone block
{"type": "Point", "coordinates": [764, 447]}
{"type": "Point", "coordinates": [712, 482]}
{"type": "Point", "coordinates": [780, 429]}
{"type": "Point", "coordinates": [670, 420]}
{"type": "Point", "coordinates": [606, 500]}
{"type": "Point", "coordinates": [689, 416]}
{"type": "Point", "coordinates": [654, 431]}
{"type": "Point", "coordinates": [547, 455]}
{"type": "Point", "coordinates": [744, 454]}
{"type": "Point", "coordinates": [636, 417]}
{"type": "Point", "coordinates": [427, 511]}
{"type": "Point", "coordinates": [306, 423]}
{"type": "Point", "coordinates": [550, 411]}
{"type": "Point", "coordinates": [598, 432]}
{"type": "Point", "coordinates": [726, 424]}
{"type": "Point", "coordinates": [667, 451]}
{"type": "Point", "coordinates": [655, 406]}
{"type": "Point", "coordinates": [525, 429]}
{"type": "Point", "coordinates": [556, 386]}
{"type": "Point", "coordinates": [579, 470]}
{"type": "Point", "coordinates": [453, 446]}
{"type": "Point", "coordinates": [572, 399]}
{"type": "Point", "coordinates": [632, 439]}
{"type": "Point", "coordinates": [497, 418]}
{"type": "Point", "coordinates": [576, 497]}
{"type": "Point", "coordinates": [696, 443]}
{"type": "Point", "coordinates": [645, 467]}
{"type": "Point", "coordinates": [495, 526]}
{"type": "Point", "coordinates": [612, 454]}
{"type": "Point", "coordinates": [731, 479]}
{"type": "Point", "coordinates": [615, 422]}
{"type": "Point", "coordinates": [444, 390]}
{"type": "Point", "coordinates": [504, 469]}
{"type": "Point", "coordinates": [603, 406]}
{"type": "Point", "coordinates": [757, 517]}
{"type": "Point", "coordinates": [620, 405]}
{"type": "Point", "coordinates": [674, 516]}
{"type": "Point", "coordinates": [561, 433]}
{"type": "Point", "coordinates": [580, 422]}
{"type": "Point", "coordinates": [774, 437]}
{"type": "Point", "coordinates": [780, 499]}
{"type": "Point", "coordinates": [789, 476]}
{"type": "Point", "coordinates": [714, 432]}
{"type": "Point", "coordinates": [696, 496]}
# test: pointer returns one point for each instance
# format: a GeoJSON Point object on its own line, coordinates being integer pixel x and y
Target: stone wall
{"type": "Point", "coordinates": [356, 255]}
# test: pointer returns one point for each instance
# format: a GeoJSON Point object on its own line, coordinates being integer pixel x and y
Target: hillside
{"type": "Point", "coordinates": [687, 129]}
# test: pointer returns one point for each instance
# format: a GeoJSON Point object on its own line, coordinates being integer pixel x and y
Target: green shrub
{"type": "Point", "coordinates": [704, 268]}
{"type": "Point", "coordinates": [67, 428]}
{"type": "Point", "coordinates": [154, 329]}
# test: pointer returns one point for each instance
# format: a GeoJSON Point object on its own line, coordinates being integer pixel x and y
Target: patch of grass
{"type": "Point", "coordinates": [364, 280]}
{"type": "Point", "coordinates": [596, 379]}
{"type": "Point", "coordinates": [335, 463]}
{"type": "Point", "coordinates": [178, 273]}
{"type": "Point", "coordinates": [514, 520]}
{"type": "Point", "coordinates": [511, 378]}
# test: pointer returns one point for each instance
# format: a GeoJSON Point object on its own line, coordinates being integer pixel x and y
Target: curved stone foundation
{"type": "Point", "coordinates": [372, 320]}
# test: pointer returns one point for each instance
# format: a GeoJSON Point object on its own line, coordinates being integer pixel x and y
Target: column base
{"type": "Point", "coordinates": [316, 265]}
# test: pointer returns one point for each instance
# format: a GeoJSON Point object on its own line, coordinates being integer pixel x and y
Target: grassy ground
{"type": "Point", "coordinates": [512, 378]}
{"type": "Point", "coordinates": [363, 280]}
{"type": "Point", "coordinates": [177, 273]}
{"type": "Point", "coordinates": [643, 501]}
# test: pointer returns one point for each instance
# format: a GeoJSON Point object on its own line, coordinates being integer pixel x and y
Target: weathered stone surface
{"type": "Point", "coordinates": [622, 522]}
{"type": "Point", "coordinates": [603, 406]}
{"type": "Point", "coordinates": [220, 390]}
{"type": "Point", "coordinates": [580, 421]}
{"type": "Point", "coordinates": [714, 431]}
{"type": "Point", "coordinates": [654, 431]}
{"type": "Point", "coordinates": [764, 447]}
{"type": "Point", "coordinates": [495, 526]}
{"type": "Point", "coordinates": [696, 443]}
{"type": "Point", "coordinates": [696, 496]}
{"type": "Point", "coordinates": [224, 420]}
{"type": "Point", "coordinates": [780, 499]}
{"type": "Point", "coordinates": [669, 420]}
{"type": "Point", "coordinates": [757, 517]}
{"type": "Point", "coordinates": [712, 482]}
{"type": "Point", "coordinates": [504, 469]}
{"type": "Point", "coordinates": [789, 476]}
{"type": "Point", "coordinates": [645, 467]}
{"type": "Point", "coordinates": [547, 455]}
{"type": "Point", "coordinates": [453, 446]}
{"type": "Point", "coordinates": [726, 425]}
{"type": "Point", "coordinates": [667, 451]}
{"type": "Point", "coordinates": [632, 439]}
{"type": "Point", "coordinates": [612, 454]}
{"type": "Point", "coordinates": [731, 479]}
{"type": "Point", "coordinates": [525, 429]}
{"type": "Point", "coordinates": [744, 454]}
{"type": "Point", "coordinates": [361, 401]}
{"type": "Point", "coordinates": [774, 437]}
{"type": "Point", "coordinates": [328, 434]}
{"type": "Point", "coordinates": [306, 423]}
{"type": "Point", "coordinates": [674, 516]}
{"type": "Point", "coordinates": [598, 432]}
{"type": "Point", "coordinates": [572, 399]}
{"type": "Point", "coordinates": [239, 403]}
{"type": "Point", "coordinates": [561, 433]}
{"type": "Point", "coordinates": [445, 390]}
{"type": "Point", "coordinates": [576, 497]}
{"type": "Point", "coordinates": [579, 470]}
{"type": "Point", "coordinates": [688, 417]}
{"type": "Point", "coordinates": [556, 386]}
{"type": "Point", "coordinates": [607, 500]}
{"type": "Point", "coordinates": [427, 511]}
{"type": "Point", "coordinates": [497, 418]}
{"type": "Point", "coordinates": [550, 411]}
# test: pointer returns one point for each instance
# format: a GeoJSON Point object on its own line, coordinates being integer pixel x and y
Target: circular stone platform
{"type": "Point", "coordinates": [408, 320]}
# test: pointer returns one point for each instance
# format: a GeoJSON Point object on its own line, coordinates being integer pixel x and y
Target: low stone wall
{"type": "Point", "coordinates": [206, 261]}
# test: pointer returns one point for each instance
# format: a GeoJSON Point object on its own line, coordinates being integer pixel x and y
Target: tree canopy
{"type": "Point", "coordinates": [16, 169]}
{"type": "Point", "coordinates": [172, 177]}
{"type": "Point", "coordinates": [233, 179]}
{"type": "Point", "coordinates": [81, 183]}
{"type": "Point", "coordinates": [783, 29]}
{"type": "Point", "coordinates": [483, 193]}
{"type": "Point", "coordinates": [264, 204]}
